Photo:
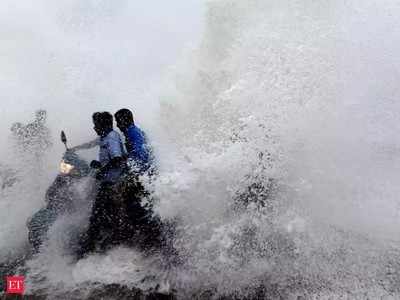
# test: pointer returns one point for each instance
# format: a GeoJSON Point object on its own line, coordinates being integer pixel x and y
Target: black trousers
{"type": "Point", "coordinates": [142, 228]}
{"type": "Point", "coordinates": [118, 215]}
{"type": "Point", "coordinates": [106, 224]}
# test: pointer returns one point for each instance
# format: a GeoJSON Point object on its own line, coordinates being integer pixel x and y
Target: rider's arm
{"type": "Point", "coordinates": [86, 146]}
{"type": "Point", "coordinates": [114, 163]}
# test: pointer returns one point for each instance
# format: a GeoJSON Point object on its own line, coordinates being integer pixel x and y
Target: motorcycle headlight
{"type": "Point", "coordinates": [65, 168]}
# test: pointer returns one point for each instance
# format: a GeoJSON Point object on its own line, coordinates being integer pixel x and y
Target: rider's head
{"type": "Point", "coordinates": [41, 115]}
{"type": "Point", "coordinates": [124, 119]}
{"type": "Point", "coordinates": [103, 123]}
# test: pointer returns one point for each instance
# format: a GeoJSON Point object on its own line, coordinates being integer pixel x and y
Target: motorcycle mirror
{"type": "Point", "coordinates": [63, 138]}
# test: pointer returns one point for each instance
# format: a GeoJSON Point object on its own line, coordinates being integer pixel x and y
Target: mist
{"type": "Point", "coordinates": [74, 58]}
{"type": "Point", "coordinates": [233, 93]}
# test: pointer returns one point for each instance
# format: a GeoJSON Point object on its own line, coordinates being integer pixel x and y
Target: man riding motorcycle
{"type": "Point", "coordinates": [105, 221]}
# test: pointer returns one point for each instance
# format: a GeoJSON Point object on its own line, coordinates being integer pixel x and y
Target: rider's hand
{"type": "Point", "coordinates": [95, 164]}
{"type": "Point", "coordinates": [99, 175]}
{"type": "Point", "coordinates": [71, 150]}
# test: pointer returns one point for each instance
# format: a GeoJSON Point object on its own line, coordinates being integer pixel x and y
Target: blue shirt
{"type": "Point", "coordinates": [139, 151]}
{"type": "Point", "coordinates": [111, 147]}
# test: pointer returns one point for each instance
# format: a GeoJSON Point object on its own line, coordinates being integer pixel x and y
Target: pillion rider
{"type": "Point", "coordinates": [142, 222]}
{"type": "Point", "coordinates": [140, 154]}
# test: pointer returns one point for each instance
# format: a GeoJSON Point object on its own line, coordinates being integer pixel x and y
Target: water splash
{"type": "Point", "coordinates": [270, 95]}
{"type": "Point", "coordinates": [277, 162]}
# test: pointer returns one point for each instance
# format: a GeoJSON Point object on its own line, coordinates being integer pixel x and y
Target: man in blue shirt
{"type": "Point", "coordinates": [141, 219]}
{"type": "Point", "coordinates": [139, 152]}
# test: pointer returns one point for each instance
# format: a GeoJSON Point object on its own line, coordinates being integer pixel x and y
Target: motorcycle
{"type": "Point", "coordinates": [137, 222]}
{"type": "Point", "coordinates": [59, 196]}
